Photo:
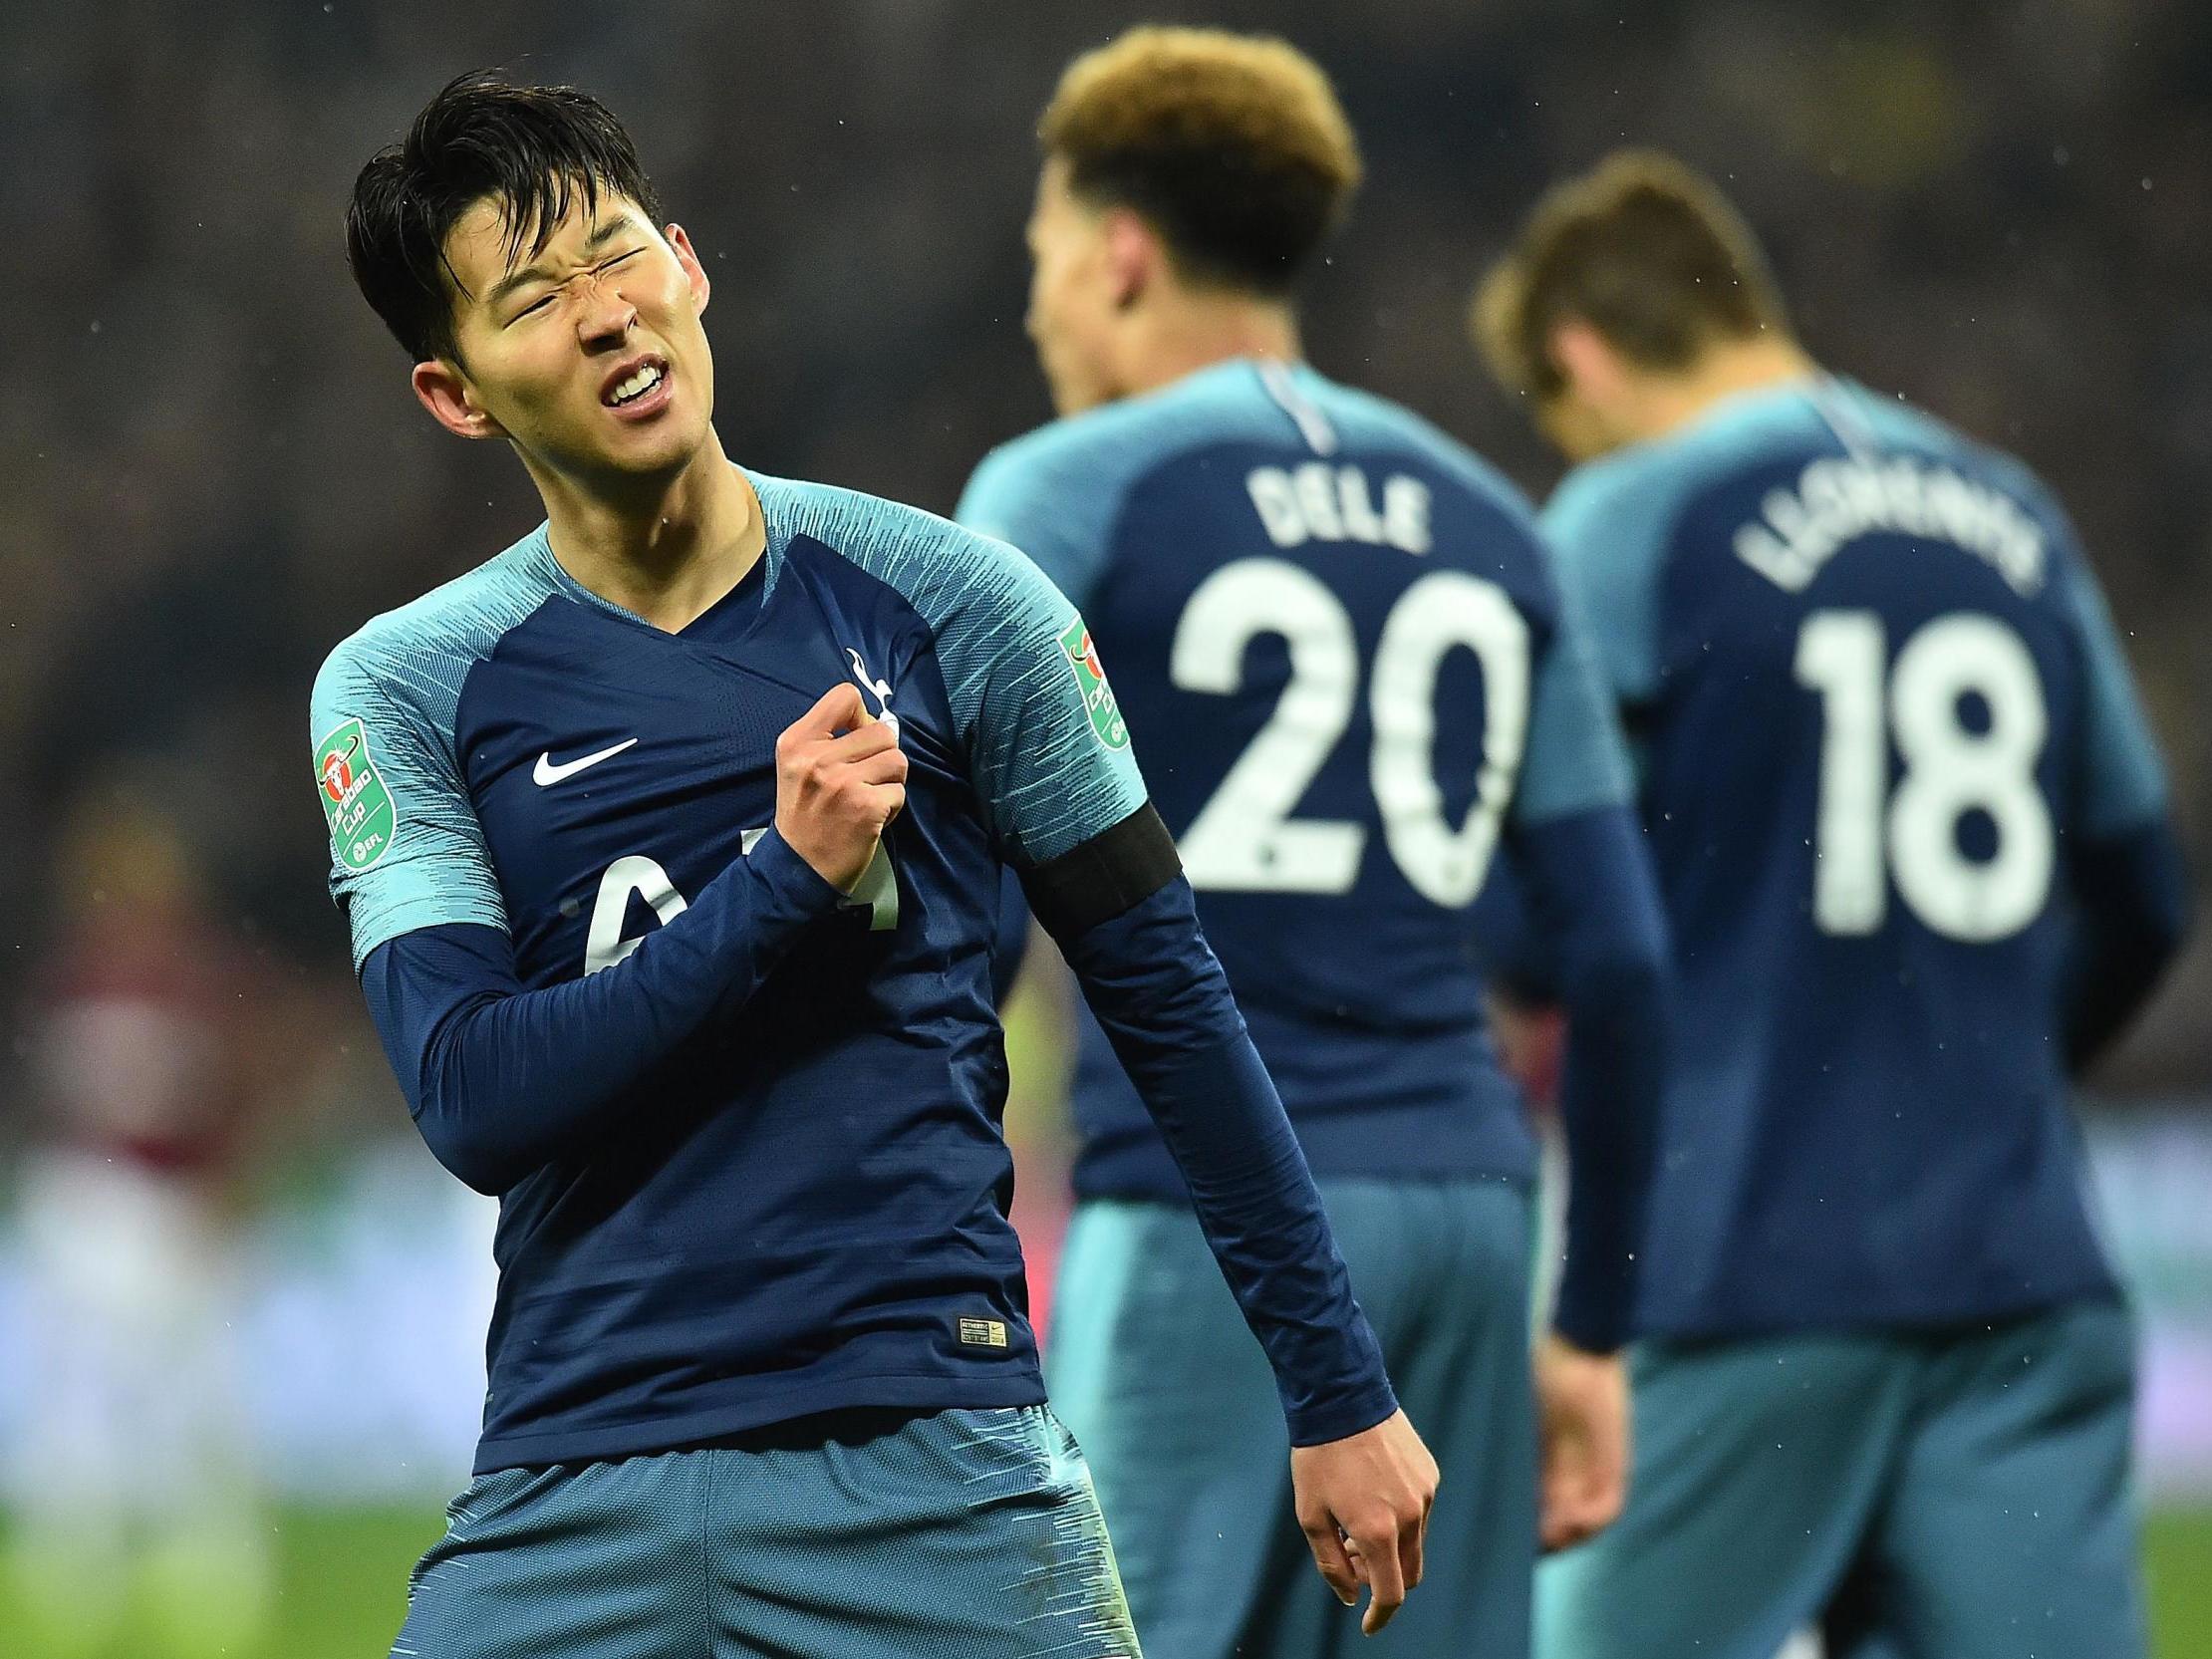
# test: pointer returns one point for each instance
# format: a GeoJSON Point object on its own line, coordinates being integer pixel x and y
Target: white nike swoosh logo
{"type": "Point", "coordinates": [546, 772]}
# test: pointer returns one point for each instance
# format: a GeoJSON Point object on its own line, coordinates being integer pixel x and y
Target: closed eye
{"type": "Point", "coordinates": [548, 298]}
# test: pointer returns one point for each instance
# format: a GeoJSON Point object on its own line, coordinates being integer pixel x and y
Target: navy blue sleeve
{"type": "Point", "coordinates": [1010, 945]}
{"type": "Point", "coordinates": [1513, 954]}
{"type": "Point", "coordinates": [1163, 1000]}
{"type": "Point", "coordinates": [1592, 897]}
{"type": "Point", "coordinates": [2131, 914]}
{"type": "Point", "coordinates": [503, 1080]}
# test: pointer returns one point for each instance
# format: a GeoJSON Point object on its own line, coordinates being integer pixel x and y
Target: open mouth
{"type": "Point", "coordinates": [641, 386]}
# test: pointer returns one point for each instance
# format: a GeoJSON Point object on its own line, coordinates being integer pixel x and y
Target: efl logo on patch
{"type": "Point", "coordinates": [355, 804]}
{"type": "Point", "coordinates": [1090, 679]}
{"type": "Point", "coordinates": [983, 1333]}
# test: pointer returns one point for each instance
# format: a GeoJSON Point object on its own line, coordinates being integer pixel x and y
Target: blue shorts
{"type": "Point", "coordinates": [867, 1535]}
{"type": "Point", "coordinates": [1151, 1364]}
{"type": "Point", "coordinates": [1958, 1495]}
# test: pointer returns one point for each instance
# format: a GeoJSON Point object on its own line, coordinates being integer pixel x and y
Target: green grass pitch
{"type": "Point", "coordinates": [344, 1577]}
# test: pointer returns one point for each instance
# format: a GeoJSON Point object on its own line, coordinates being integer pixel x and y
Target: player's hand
{"type": "Point", "coordinates": [841, 778]}
{"type": "Point", "coordinates": [1363, 1502]}
{"type": "Point", "coordinates": [1582, 1409]}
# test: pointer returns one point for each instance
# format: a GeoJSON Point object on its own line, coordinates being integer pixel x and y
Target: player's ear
{"type": "Point", "coordinates": [686, 256]}
{"type": "Point", "coordinates": [442, 388]}
{"type": "Point", "coordinates": [1133, 256]}
{"type": "Point", "coordinates": [1586, 360]}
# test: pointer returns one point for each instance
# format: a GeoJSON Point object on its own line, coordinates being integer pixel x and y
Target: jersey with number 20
{"type": "Point", "coordinates": [1338, 644]}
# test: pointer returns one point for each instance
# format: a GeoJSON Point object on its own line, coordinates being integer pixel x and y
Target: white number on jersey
{"type": "Point", "coordinates": [1244, 838]}
{"type": "Point", "coordinates": [604, 945]}
{"type": "Point", "coordinates": [1949, 770]}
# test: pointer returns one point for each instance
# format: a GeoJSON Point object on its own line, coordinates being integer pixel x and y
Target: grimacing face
{"type": "Point", "coordinates": [1071, 295]}
{"type": "Point", "coordinates": [589, 356]}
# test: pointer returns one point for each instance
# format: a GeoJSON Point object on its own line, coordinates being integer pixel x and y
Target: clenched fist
{"type": "Point", "coordinates": [1582, 1399]}
{"type": "Point", "coordinates": [841, 778]}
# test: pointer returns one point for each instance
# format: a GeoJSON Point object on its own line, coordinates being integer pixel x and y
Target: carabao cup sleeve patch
{"type": "Point", "coordinates": [357, 802]}
{"type": "Point", "coordinates": [1090, 679]}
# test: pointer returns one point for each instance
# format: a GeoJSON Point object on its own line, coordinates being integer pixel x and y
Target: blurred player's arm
{"type": "Point", "coordinates": [1579, 853]}
{"type": "Point", "coordinates": [1580, 865]}
{"type": "Point", "coordinates": [1052, 767]}
{"type": "Point", "coordinates": [2129, 885]}
{"type": "Point", "coordinates": [1579, 862]}
{"type": "Point", "coordinates": [2132, 913]}
{"type": "Point", "coordinates": [1590, 891]}
{"type": "Point", "coordinates": [501, 1079]}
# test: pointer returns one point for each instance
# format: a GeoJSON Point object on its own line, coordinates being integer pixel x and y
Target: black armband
{"type": "Point", "coordinates": [1106, 876]}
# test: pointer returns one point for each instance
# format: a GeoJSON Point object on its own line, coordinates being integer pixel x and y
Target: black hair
{"type": "Point", "coordinates": [535, 150]}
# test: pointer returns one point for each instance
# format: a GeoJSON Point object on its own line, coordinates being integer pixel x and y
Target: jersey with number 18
{"type": "Point", "coordinates": [1878, 704]}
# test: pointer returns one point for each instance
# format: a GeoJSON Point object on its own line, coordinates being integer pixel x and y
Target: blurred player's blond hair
{"type": "Point", "coordinates": [1643, 249]}
{"type": "Point", "coordinates": [1232, 146]}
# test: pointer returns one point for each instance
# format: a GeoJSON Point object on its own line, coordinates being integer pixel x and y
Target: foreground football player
{"type": "Point", "coordinates": [1913, 840]}
{"type": "Point", "coordinates": [1339, 643]}
{"type": "Point", "coordinates": [670, 843]}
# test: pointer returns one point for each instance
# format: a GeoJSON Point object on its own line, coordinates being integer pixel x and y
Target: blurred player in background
{"type": "Point", "coordinates": [1912, 836]}
{"type": "Point", "coordinates": [132, 1502]}
{"type": "Point", "coordinates": [1341, 650]}
{"type": "Point", "coordinates": [670, 842]}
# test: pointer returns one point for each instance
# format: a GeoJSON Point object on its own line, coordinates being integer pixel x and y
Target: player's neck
{"type": "Point", "coordinates": [1722, 371]}
{"type": "Point", "coordinates": [1186, 332]}
{"type": "Point", "coordinates": [664, 554]}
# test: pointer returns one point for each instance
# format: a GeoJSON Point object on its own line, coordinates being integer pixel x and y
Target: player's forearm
{"type": "Point", "coordinates": [1165, 1004]}
{"type": "Point", "coordinates": [1594, 894]}
{"type": "Point", "coordinates": [1262, 1218]}
{"type": "Point", "coordinates": [503, 1080]}
{"type": "Point", "coordinates": [2131, 914]}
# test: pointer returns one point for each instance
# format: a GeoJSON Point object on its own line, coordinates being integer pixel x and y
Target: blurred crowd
{"type": "Point", "coordinates": [213, 469]}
